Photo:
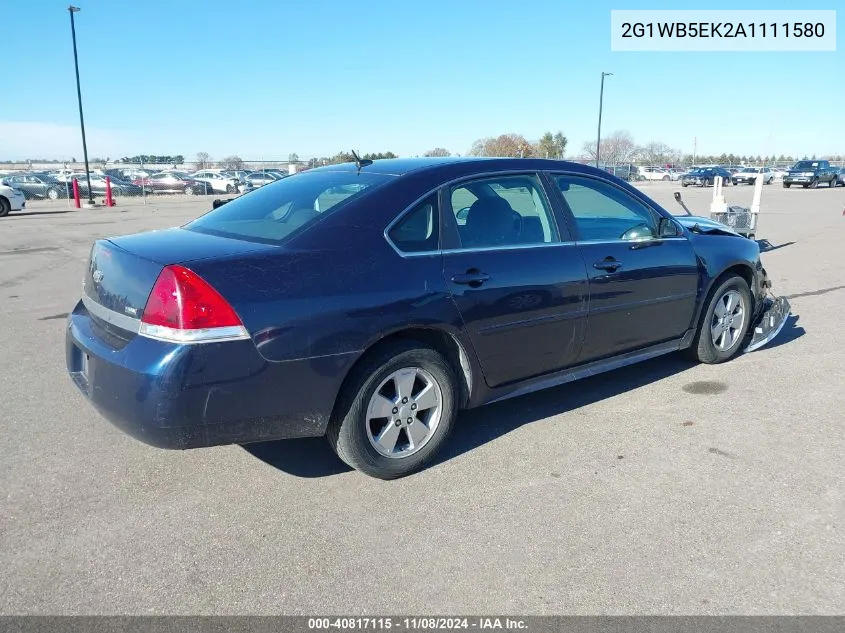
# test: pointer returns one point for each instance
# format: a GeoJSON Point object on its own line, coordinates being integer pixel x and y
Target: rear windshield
{"type": "Point", "coordinates": [270, 214]}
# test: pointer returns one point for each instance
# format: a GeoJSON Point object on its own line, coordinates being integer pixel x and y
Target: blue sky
{"type": "Point", "coordinates": [275, 77]}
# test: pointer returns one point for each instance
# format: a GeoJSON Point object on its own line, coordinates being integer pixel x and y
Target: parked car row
{"type": "Point", "coordinates": [135, 182]}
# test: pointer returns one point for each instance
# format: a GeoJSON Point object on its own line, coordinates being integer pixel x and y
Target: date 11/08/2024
{"type": "Point", "coordinates": [722, 29]}
{"type": "Point", "coordinates": [417, 623]}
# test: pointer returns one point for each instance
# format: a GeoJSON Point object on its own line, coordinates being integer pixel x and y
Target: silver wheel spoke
{"type": "Point", "coordinates": [731, 302]}
{"type": "Point", "coordinates": [381, 407]}
{"type": "Point", "coordinates": [405, 383]}
{"type": "Point", "coordinates": [387, 438]}
{"type": "Point", "coordinates": [722, 338]}
{"type": "Point", "coordinates": [716, 331]}
{"type": "Point", "coordinates": [720, 308]}
{"type": "Point", "coordinates": [417, 431]}
{"type": "Point", "coordinates": [427, 398]}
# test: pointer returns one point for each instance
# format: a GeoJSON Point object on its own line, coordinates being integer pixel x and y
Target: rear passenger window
{"type": "Point", "coordinates": [418, 231]}
{"type": "Point", "coordinates": [502, 211]}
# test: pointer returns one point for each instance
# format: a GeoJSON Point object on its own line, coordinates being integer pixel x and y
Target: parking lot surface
{"type": "Point", "coordinates": [666, 487]}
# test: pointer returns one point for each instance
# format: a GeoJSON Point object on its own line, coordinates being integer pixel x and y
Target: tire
{"type": "Point", "coordinates": [805, 186]}
{"type": "Point", "coordinates": [230, 189]}
{"type": "Point", "coordinates": [814, 184]}
{"type": "Point", "coordinates": [786, 185]}
{"type": "Point", "coordinates": [704, 348]}
{"type": "Point", "coordinates": [5, 207]}
{"type": "Point", "coordinates": [189, 191]}
{"type": "Point", "coordinates": [666, 178]}
{"type": "Point", "coordinates": [684, 184]}
{"type": "Point", "coordinates": [53, 194]}
{"type": "Point", "coordinates": [733, 182]}
{"type": "Point", "coordinates": [353, 428]}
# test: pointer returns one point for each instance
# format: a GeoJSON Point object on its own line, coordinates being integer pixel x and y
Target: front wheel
{"type": "Point", "coordinates": [815, 184]}
{"type": "Point", "coordinates": [396, 411]}
{"type": "Point", "coordinates": [725, 322]}
{"type": "Point", "coordinates": [230, 189]}
{"type": "Point", "coordinates": [786, 185]}
{"type": "Point", "coordinates": [53, 194]}
{"type": "Point", "coordinates": [189, 191]}
{"type": "Point", "coordinates": [5, 207]}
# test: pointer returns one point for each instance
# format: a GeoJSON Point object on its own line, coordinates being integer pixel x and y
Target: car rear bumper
{"type": "Point", "coordinates": [179, 396]}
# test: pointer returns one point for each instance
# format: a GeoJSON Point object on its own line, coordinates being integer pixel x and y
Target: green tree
{"type": "Point", "coordinates": [438, 151]}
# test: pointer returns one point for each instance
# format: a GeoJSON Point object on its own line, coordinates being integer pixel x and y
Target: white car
{"type": "Point", "coordinates": [10, 200]}
{"type": "Point", "coordinates": [218, 182]}
{"type": "Point", "coordinates": [655, 173]}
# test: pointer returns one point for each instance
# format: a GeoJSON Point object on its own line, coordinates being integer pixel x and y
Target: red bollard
{"type": "Point", "coordinates": [76, 193]}
{"type": "Point", "coordinates": [109, 199]}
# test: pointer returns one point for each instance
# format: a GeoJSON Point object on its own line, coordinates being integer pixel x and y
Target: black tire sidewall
{"type": "Point", "coordinates": [347, 431]}
{"type": "Point", "coordinates": [706, 349]}
{"type": "Point", "coordinates": [5, 207]}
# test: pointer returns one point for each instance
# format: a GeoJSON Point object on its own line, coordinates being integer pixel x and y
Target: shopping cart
{"type": "Point", "coordinates": [740, 219]}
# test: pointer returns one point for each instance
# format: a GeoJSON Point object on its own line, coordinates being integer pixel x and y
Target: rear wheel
{"type": "Point", "coordinates": [189, 191]}
{"type": "Point", "coordinates": [724, 323]}
{"type": "Point", "coordinates": [666, 178]}
{"type": "Point", "coordinates": [396, 411]}
{"type": "Point", "coordinates": [53, 194]}
{"type": "Point", "coordinates": [230, 189]}
{"type": "Point", "coordinates": [5, 207]}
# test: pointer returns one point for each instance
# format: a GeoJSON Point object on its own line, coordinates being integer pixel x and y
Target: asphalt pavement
{"type": "Point", "coordinates": [663, 488]}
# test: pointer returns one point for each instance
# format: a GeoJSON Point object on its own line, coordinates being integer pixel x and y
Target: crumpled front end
{"type": "Point", "coordinates": [770, 317]}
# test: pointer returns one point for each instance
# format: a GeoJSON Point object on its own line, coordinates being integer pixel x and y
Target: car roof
{"type": "Point", "coordinates": [401, 166]}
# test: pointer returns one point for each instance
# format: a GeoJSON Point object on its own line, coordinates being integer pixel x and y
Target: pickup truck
{"type": "Point", "coordinates": [810, 173]}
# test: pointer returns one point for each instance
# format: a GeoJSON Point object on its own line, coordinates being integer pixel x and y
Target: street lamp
{"type": "Point", "coordinates": [601, 100]}
{"type": "Point", "coordinates": [72, 9]}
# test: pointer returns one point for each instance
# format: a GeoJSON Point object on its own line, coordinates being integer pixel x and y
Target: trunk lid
{"type": "Point", "coordinates": [122, 270]}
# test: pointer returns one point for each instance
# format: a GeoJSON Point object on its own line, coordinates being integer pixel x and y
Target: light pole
{"type": "Point", "coordinates": [72, 9]}
{"type": "Point", "coordinates": [601, 101]}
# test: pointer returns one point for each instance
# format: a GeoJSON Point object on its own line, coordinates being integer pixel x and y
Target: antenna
{"type": "Point", "coordinates": [360, 162]}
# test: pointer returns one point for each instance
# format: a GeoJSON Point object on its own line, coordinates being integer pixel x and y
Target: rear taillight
{"type": "Point", "coordinates": [184, 308]}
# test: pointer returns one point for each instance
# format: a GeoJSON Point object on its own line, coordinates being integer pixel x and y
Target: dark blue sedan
{"type": "Point", "coordinates": [370, 302]}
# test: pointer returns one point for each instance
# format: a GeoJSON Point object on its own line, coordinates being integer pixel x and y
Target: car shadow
{"type": "Point", "coordinates": [767, 247]}
{"type": "Point", "coordinates": [477, 427]}
{"type": "Point", "coordinates": [313, 457]}
{"type": "Point", "coordinates": [20, 214]}
{"type": "Point", "coordinates": [306, 457]}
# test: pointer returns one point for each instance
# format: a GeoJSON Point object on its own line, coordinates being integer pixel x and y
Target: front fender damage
{"type": "Point", "coordinates": [769, 319]}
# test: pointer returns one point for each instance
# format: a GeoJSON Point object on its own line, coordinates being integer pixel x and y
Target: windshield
{"type": "Point", "coordinates": [806, 164]}
{"type": "Point", "coordinates": [749, 170]}
{"type": "Point", "coordinates": [270, 214]}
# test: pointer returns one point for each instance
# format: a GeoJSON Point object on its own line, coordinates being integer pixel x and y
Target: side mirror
{"type": "Point", "coordinates": [677, 196]}
{"type": "Point", "coordinates": [668, 228]}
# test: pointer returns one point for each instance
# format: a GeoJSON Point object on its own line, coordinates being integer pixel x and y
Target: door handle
{"type": "Point", "coordinates": [472, 277]}
{"type": "Point", "coordinates": [609, 264]}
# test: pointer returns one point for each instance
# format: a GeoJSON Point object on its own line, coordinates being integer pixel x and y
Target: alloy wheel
{"type": "Point", "coordinates": [728, 322]}
{"type": "Point", "coordinates": [404, 412]}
